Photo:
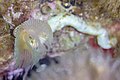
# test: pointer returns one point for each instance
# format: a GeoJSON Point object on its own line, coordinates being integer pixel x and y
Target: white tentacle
{"type": "Point", "coordinates": [65, 19]}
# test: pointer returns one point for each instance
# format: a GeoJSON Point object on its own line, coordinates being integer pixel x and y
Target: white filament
{"type": "Point", "coordinates": [65, 19]}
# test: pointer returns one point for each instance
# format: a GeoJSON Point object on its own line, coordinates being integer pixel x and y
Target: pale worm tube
{"type": "Point", "coordinates": [65, 19]}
